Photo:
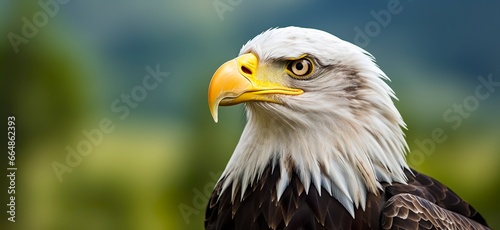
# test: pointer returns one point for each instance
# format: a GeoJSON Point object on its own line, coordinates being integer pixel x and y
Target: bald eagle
{"type": "Point", "coordinates": [323, 147]}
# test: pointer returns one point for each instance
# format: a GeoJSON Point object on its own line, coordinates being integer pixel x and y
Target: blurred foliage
{"type": "Point", "coordinates": [165, 156]}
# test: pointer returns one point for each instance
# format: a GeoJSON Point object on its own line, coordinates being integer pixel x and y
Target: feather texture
{"type": "Point", "coordinates": [422, 203]}
{"type": "Point", "coordinates": [332, 157]}
{"type": "Point", "coordinates": [343, 134]}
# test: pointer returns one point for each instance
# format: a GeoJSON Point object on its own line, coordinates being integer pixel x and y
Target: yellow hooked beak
{"type": "Point", "coordinates": [238, 81]}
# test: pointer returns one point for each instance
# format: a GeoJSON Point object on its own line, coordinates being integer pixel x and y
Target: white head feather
{"type": "Point", "coordinates": [343, 133]}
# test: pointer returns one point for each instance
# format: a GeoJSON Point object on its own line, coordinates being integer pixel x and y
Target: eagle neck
{"type": "Point", "coordinates": [320, 157]}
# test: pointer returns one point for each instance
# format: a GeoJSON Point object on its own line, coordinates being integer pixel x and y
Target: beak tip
{"type": "Point", "coordinates": [215, 114]}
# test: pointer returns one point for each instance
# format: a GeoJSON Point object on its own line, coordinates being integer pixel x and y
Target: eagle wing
{"type": "Point", "coordinates": [424, 203]}
{"type": "Point", "coordinates": [407, 211]}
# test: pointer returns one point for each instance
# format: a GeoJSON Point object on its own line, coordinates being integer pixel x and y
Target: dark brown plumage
{"type": "Point", "coordinates": [399, 206]}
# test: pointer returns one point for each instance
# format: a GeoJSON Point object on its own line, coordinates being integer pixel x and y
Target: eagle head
{"type": "Point", "coordinates": [316, 106]}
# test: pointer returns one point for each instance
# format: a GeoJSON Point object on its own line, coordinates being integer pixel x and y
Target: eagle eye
{"type": "Point", "coordinates": [300, 68]}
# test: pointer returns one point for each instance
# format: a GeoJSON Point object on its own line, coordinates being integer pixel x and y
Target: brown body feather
{"type": "Point", "coordinates": [423, 203]}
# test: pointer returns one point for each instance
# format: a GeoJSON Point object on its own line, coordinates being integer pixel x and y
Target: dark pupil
{"type": "Point", "coordinates": [299, 66]}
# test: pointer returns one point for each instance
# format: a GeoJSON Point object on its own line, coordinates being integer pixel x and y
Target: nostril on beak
{"type": "Point", "coordinates": [246, 70]}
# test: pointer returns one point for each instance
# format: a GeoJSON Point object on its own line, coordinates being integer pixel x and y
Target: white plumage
{"type": "Point", "coordinates": [343, 133]}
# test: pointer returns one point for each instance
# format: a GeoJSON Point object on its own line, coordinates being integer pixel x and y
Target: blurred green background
{"type": "Point", "coordinates": [157, 166]}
